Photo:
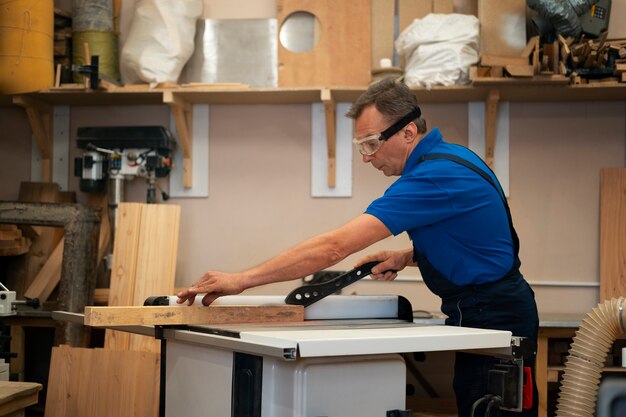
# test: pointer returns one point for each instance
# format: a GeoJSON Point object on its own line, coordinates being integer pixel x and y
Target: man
{"type": "Point", "coordinates": [452, 207]}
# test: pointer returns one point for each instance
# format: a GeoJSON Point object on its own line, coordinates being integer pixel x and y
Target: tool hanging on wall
{"type": "Point", "coordinates": [122, 153]}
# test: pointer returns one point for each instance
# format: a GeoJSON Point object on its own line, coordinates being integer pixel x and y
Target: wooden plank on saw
{"type": "Point", "coordinates": [612, 233]}
{"type": "Point", "coordinates": [171, 315]}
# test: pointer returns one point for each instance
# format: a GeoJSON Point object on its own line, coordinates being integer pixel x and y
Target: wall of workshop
{"type": "Point", "coordinates": [259, 188]}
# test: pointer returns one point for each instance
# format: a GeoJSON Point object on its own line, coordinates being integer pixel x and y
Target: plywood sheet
{"type": "Point", "coordinates": [382, 31]}
{"type": "Point", "coordinates": [409, 10]}
{"type": "Point", "coordinates": [612, 233]}
{"type": "Point", "coordinates": [342, 56]}
{"type": "Point", "coordinates": [502, 26]}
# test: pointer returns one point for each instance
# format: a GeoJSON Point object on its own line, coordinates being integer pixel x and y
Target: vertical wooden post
{"type": "Point", "coordinates": [331, 138]}
{"type": "Point", "coordinates": [491, 121]}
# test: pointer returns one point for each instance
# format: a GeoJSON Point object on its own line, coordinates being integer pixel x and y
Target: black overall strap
{"type": "Point", "coordinates": [489, 179]}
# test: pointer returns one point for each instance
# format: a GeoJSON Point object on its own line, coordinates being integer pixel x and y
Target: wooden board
{"type": "Point", "coordinates": [409, 10]}
{"type": "Point", "coordinates": [502, 26]}
{"type": "Point", "coordinates": [124, 267]}
{"type": "Point", "coordinates": [102, 383]}
{"type": "Point", "coordinates": [144, 263]}
{"type": "Point", "coordinates": [169, 315]}
{"type": "Point", "coordinates": [612, 233]}
{"type": "Point", "coordinates": [382, 31]}
{"type": "Point", "coordinates": [342, 56]}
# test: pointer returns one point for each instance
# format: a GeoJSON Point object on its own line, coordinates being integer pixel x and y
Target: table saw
{"type": "Point", "coordinates": [342, 360]}
{"type": "Point", "coordinates": [316, 354]}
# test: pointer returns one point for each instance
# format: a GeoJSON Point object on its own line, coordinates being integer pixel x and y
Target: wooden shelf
{"type": "Point", "coordinates": [38, 105]}
{"type": "Point", "coordinates": [510, 90]}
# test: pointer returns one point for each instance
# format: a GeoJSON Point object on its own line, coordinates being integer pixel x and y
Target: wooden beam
{"type": "Point", "coordinates": [331, 137]}
{"type": "Point", "coordinates": [491, 120]}
{"type": "Point", "coordinates": [183, 117]}
{"type": "Point", "coordinates": [48, 277]}
{"type": "Point", "coordinates": [40, 118]}
{"type": "Point", "coordinates": [170, 315]}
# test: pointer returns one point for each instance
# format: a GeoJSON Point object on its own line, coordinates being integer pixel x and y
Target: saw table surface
{"type": "Point", "coordinates": [343, 337]}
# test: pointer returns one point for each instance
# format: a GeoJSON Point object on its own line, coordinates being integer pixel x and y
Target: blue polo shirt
{"type": "Point", "coordinates": [453, 216]}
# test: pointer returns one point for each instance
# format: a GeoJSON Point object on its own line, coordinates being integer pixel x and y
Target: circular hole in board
{"type": "Point", "coordinates": [300, 32]}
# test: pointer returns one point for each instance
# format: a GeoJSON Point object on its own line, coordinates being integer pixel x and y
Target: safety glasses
{"type": "Point", "coordinates": [370, 144]}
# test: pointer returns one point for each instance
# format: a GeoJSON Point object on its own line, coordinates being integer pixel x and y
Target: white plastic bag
{"type": "Point", "coordinates": [160, 40]}
{"type": "Point", "coordinates": [439, 49]}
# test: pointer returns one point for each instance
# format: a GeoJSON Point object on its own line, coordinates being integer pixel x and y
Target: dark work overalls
{"type": "Point", "coordinates": [506, 304]}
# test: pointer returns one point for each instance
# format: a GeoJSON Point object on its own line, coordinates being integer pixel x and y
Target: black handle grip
{"type": "Point", "coordinates": [309, 294]}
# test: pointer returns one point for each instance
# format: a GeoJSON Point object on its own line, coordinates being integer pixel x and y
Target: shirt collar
{"type": "Point", "coordinates": [423, 147]}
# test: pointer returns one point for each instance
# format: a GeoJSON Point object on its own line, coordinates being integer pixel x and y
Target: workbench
{"type": "Point", "coordinates": [15, 396]}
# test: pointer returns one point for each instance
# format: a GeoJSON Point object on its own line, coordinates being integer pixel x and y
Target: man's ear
{"type": "Point", "coordinates": [410, 132]}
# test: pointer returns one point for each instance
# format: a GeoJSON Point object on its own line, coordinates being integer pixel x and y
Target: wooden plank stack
{"type": "Point", "coordinates": [12, 241]}
{"type": "Point", "coordinates": [561, 62]}
{"type": "Point", "coordinates": [596, 60]}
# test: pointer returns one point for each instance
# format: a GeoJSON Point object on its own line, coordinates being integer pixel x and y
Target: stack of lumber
{"type": "Point", "coordinates": [12, 241]}
{"type": "Point", "coordinates": [536, 63]}
{"type": "Point", "coordinates": [560, 62]}
{"type": "Point", "coordinates": [590, 60]}
{"type": "Point", "coordinates": [62, 37]}
{"type": "Point", "coordinates": [38, 264]}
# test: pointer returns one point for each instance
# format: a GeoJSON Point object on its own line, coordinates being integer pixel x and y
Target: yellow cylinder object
{"type": "Point", "coordinates": [26, 45]}
{"type": "Point", "coordinates": [100, 43]}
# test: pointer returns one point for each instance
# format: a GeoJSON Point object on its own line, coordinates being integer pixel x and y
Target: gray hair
{"type": "Point", "coordinates": [392, 98]}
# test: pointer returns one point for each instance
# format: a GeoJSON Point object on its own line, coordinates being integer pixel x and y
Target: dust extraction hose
{"type": "Point", "coordinates": [562, 14]}
{"type": "Point", "coordinates": [586, 358]}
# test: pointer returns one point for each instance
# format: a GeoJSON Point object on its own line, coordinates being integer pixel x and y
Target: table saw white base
{"type": "Point", "coordinates": [199, 383]}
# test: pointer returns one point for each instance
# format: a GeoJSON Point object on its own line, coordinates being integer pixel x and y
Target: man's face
{"type": "Point", "coordinates": [392, 154]}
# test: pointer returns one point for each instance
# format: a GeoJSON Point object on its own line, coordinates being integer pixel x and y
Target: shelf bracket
{"type": "Point", "coordinates": [40, 118]}
{"type": "Point", "coordinates": [491, 120]}
{"type": "Point", "coordinates": [183, 117]}
{"type": "Point", "coordinates": [331, 137]}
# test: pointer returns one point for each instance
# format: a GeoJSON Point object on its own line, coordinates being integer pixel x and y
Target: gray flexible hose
{"type": "Point", "coordinates": [583, 369]}
{"type": "Point", "coordinates": [562, 14]}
